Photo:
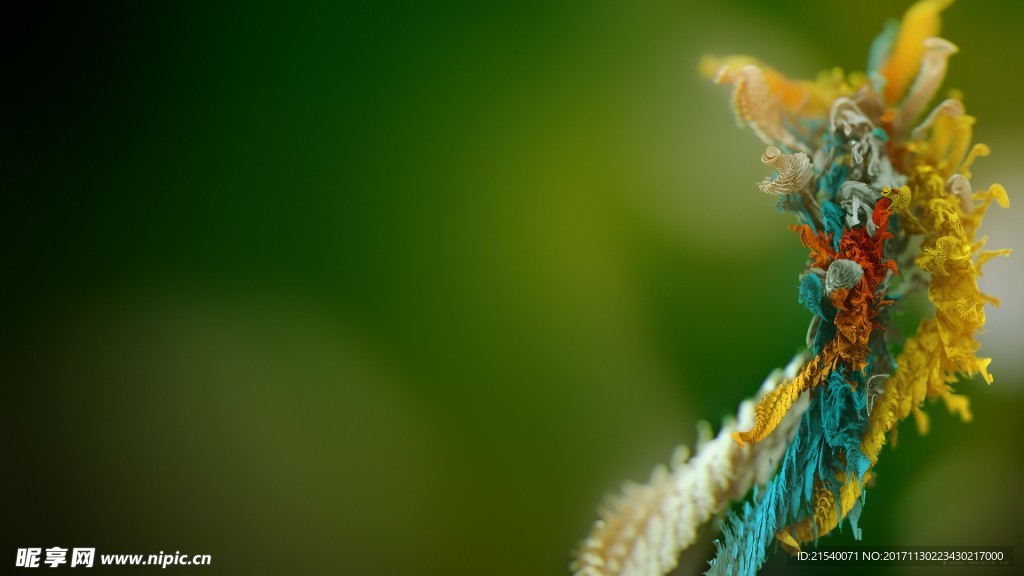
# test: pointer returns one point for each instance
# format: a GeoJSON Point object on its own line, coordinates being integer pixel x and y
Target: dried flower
{"type": "Point", "coordinates": [879, 201]}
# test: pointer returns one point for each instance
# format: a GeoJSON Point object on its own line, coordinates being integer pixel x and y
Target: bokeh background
{"type": "Point", "coordinates": [366, 288]}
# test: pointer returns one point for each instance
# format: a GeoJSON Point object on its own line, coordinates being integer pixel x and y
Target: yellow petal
{"type": "Point", "coordinates": [920, 22]}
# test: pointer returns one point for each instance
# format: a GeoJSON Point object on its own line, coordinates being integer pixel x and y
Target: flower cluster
{"type": "Point", "coordinates": [881, 188]}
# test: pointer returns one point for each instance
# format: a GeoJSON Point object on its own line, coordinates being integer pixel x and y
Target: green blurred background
{"type": "Point", "coordinates": [406, 289]}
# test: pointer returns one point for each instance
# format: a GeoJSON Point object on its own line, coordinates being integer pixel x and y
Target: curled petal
{"type": "Point", "coordinates": [960, 187]}
{"type": "Point", "coordinates": [794, 172]}
{"type": "Point", "coordinates": [920, 22]}
{"type": "Point", "coordinates": [758, 106]}
{"type": "Point", "coordinates": [842, 274]}
{"type": "Point", "coordinates": [867, 145]}
{"type": "Point", "coordinates": [858, 199]}
{"type": "Point", "coordinates": [943, 139]}
{"type": "Point", "coordinates": [782, 112]}
{"type": "Point", "coordinates": [900, 198]}
{"type": "Point", "coordinates": [933, 69]}
{"type": "Point", "coordinates": [977, 151]}
{"type": "Point", "coordinates": [947, 108]}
